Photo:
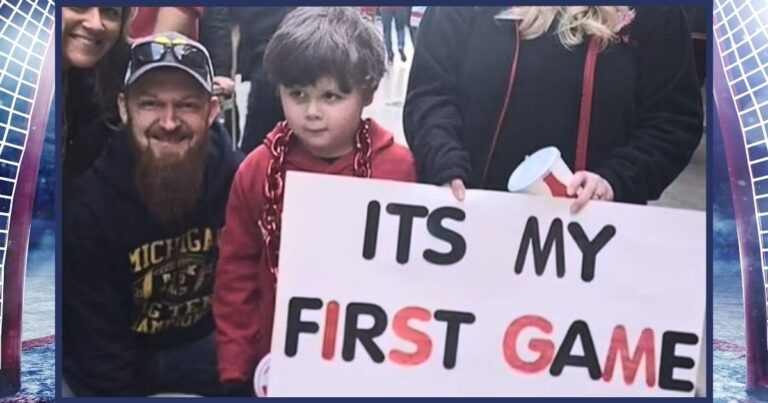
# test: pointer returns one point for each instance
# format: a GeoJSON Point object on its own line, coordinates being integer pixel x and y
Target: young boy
{"type": "Point", "coordinates": [327, 63]}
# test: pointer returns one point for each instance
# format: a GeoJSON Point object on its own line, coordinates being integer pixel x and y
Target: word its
{"type": "Point", "coordinates": [407, 214]}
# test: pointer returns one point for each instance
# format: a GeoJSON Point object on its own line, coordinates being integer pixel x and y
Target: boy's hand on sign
{"type": "Point", "coordinates": [458, 188]}
{"type": "Point", "coordinates": [586, 186]}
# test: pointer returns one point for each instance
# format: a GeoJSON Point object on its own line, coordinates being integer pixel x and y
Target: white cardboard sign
{"type": "Point", "coordinates": [395, 289]}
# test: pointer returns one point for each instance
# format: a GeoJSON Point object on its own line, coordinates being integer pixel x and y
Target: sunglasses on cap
{"type": "Point", "coordinates": [187, 54]}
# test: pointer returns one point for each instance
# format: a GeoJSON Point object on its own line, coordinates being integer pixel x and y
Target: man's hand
{"type": "Point", "coordinates": [586, 186]}
{"type": "Point", "coordinates": [458, 188]}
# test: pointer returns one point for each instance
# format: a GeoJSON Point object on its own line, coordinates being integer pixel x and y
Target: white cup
{"type": "Point", "coordinates": [261, 377]}
{"type": "Point", "coordinates": [542, 173]}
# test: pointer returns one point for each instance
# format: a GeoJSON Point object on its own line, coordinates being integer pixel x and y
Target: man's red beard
{"type": "Point", "coordinates": [169, 186]}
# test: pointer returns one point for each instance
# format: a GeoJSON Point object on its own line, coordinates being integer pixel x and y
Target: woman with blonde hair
{"type": "Point", "coordinates": [94, 53]}
{"type": "Point", "coordinates": [613, 88]}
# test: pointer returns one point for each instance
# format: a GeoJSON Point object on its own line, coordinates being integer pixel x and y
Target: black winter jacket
{"type": "Point", "coordinates": [257, 25]}
{"type": "Point", "coordinates": [646, 117]}
{"type": "Point", "coordinates": [86, 129]}
{"type": "Point", "coordinates": [216, 36]}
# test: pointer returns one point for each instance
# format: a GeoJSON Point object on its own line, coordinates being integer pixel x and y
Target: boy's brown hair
{"type": "Point", "coordinates": [316, 42]}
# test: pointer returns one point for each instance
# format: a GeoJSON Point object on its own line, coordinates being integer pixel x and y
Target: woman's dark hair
{"type": "Point", "coordinates": [316, 42]}
{"type": "Point", "coordinates": [110, 70]}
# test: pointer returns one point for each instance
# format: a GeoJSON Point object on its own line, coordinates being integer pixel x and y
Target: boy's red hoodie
{"type": "Point", "coordinates": [244, 296]}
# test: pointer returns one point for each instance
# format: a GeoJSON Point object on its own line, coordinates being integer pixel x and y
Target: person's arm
{"type": "Point", "coordinates": [178, 19]}
{"type": "Point", "coordinates": [216, 36]}
{"type": "Point", "coordinates": [431, 117]}
{"type": "Point", "coordinates": [669, 111]}
{"type": "Point", "coordinates": [100, 354]}
{"type": "Point", "coordinates": [239, 304]}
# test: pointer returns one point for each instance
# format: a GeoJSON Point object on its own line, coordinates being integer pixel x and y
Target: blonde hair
{"type": "Point", "coordinates": [573, 22]}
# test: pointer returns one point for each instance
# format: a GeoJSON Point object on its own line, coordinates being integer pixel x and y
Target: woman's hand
{"type": "Point", "coordinates": [223, 86]}
{"type": "Point", "coordinates": [458, 188]}
{"type": "Point", "coordinates": [586, 186]}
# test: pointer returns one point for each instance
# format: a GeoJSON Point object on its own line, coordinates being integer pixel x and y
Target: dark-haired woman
{"type": "Point", "coordinates": [94, 57]}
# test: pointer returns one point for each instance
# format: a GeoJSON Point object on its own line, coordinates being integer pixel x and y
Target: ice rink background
{"type": "Point", "coordinates": [38, 317]}
{"type": "Point", "coordinates": [729, 371]}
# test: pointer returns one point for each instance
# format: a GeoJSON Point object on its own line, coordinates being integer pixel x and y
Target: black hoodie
{"type": "Point", "coordinates": [647, 114]}
{"type": "Point", "coordinates": [129, 285]}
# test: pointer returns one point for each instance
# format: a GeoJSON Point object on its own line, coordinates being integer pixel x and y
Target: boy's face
{"type": "Point", "coordinates": [322, 117]}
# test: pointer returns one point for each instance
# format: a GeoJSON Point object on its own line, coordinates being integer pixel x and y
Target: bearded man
{"type": "Point", "coordinates": [140, 234]}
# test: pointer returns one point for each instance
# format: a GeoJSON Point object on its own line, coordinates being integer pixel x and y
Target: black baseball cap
{"type": "Point", "coordinates": [170, 49]}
